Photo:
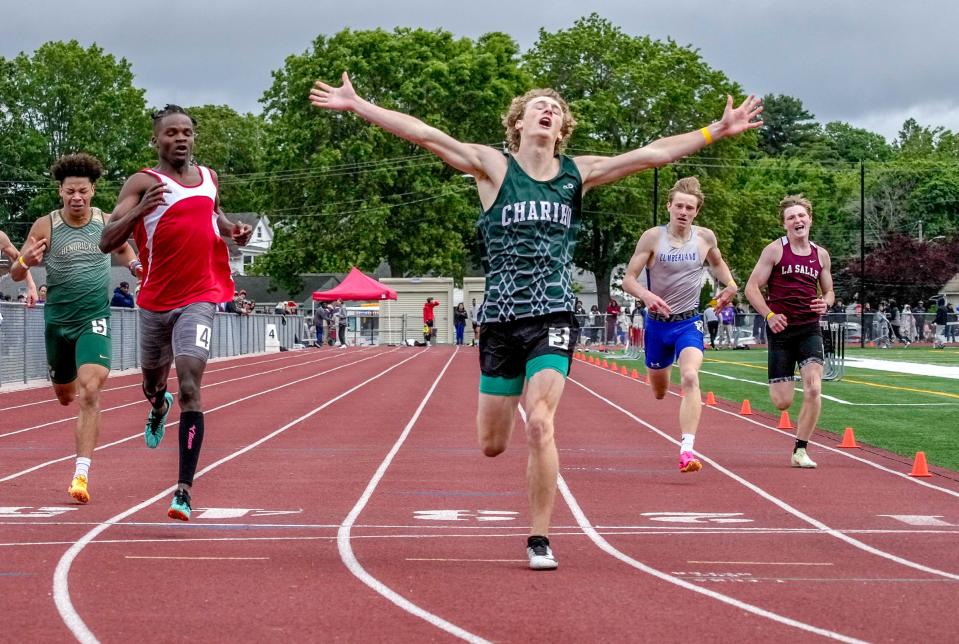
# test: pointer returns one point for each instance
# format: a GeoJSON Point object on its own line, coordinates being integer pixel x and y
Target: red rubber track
{"type": "Point", "coordinates": [442, 532]}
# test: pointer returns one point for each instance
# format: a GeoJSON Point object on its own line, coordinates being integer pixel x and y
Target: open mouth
{"type": "Point", "coordinates": [546, 122]}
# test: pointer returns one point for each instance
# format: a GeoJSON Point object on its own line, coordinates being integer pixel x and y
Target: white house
{"type": "Point", "coordinates": [243, 257]}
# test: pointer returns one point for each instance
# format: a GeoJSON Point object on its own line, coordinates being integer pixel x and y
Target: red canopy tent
{"type": "Point", "coordinates": [356, 287]}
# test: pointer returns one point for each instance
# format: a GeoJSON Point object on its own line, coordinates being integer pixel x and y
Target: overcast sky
{"type": "Point", "coordinates": [871, 63]}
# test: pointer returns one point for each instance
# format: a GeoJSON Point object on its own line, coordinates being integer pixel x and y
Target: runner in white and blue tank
{"type": "Point", "coordinates": [531, 205]}
{"type": "Point", "coordinates": [673, 256]}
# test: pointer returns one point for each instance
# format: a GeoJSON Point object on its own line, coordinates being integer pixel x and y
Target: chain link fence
{"type": "Point", "coordinates": [23, 351]}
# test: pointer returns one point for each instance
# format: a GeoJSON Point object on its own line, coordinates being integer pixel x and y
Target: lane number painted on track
{"type": "Point", "coordinates": [26, 512]}
{"type": "Point", "coordinates": [465, 515]}
{"type": "Point", "coordinates": [237, 513]}
{"type": "Point", "coordinates": [697, 517]}
{"type": "Point", "coordinates": [934, 520]}
{"type": "Point", "coordinates": [719, 577]}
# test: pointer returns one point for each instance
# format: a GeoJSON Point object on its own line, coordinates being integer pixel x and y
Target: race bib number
{"type": "Point", "coordinates": [203, 334]}
{"type": "Point", "coordinates": [99, 326]}
{"type": "Point", "coordinates": [559, 337]}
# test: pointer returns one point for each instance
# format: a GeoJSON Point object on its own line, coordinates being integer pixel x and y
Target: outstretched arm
{"type": "Point", "coordinates": [477, 160]}
{"type": "Point", "coordinates": [597, 170]}
{"type": "Point", "coordinates": [757, 280]}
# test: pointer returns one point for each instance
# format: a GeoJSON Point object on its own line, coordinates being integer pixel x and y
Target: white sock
{"type": "Point", "coordinates": [83, 467]}
{"type": "Point", "coordinates": [687, 443]}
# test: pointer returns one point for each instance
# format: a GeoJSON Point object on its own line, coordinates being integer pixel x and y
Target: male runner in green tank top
{"type": "Point", "coordinates": [77, 310]}
{"type": "Point", "coordinates": [531, 209]}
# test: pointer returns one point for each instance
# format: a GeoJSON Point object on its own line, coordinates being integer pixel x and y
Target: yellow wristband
{"type": "Point", "coordinates": [770, 314]}
{"type": "Point", "coordinates": [22, 263]}
{"type": "Point", "coordinates": [733, 284]}
{"type": "Point", "coordinates": [706, 135]}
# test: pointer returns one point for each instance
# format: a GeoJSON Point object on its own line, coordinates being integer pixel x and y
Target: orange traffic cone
{"type": "Point", "coordinates": [919, 467]}
{"type": "Point", "coordinates": [605, 364]}
{"type": "Point", "coordinates": [623, 371]}
{"type": "Point", "coordinates": [848, 439]}
{"type": "Point", "coordinates": [612, 365]}
{"type": "Point", "coordinates": [634, 375]}
{"type": "Point", "coordinates": [746, 409]}
{"type": "Point", "coordinates": [710, 399]}
{"type": "Point", "coordinates": [784, 422]}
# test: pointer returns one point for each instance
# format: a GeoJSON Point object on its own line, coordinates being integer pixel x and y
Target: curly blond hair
{"type": "Point", "coordinates": [794, 200]}
{"type": "Point", "coordinates": [688, 186]}
{"type": "Point", "coordinates": [518, 107]}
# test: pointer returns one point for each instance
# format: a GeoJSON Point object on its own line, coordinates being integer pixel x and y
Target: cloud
{"type": "Point", "coordinates": [868, 64]}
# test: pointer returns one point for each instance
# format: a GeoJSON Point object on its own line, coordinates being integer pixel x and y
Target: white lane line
{"type": "Point", "coordinates": [468, 560]}
{"type": "Point", "coordinates": [202, 558]}
{"type": "Point", "coordinates": [61, 589]}
{"type": "Point", "coordinates": [368, 537]}
{"type": "Point", "coordinates": [762, 563]}
{"type": "Point", "coordinates": [606, 547]}
{"type": "Point", "coordinates": [136, 372]}
{"type": "Point", "coordinates": [833, 398]}
{"type": "Point", "coordinates": [410, 536]}
{"type": "Point", "coordinates": [343, 534]}
{"type": "Point", "coordinates": [176, 422]}
{"type": "Point", "coordinates": [779, 502]}
{"type": "Point", "coordinates": [142, 401]}
{"type": "Point", "coordinates": [843, 452]}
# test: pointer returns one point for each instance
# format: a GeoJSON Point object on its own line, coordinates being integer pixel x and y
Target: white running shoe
{"type": "Point", "coordinates": [801, 459]}
{"type": "Point", "coordinates": [540, 554]}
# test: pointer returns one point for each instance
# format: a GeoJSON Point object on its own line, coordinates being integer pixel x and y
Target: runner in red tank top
{"type": "Point", "coordinates": [799, 282]}
{"type": "Point", "coordinates": [174, 211]}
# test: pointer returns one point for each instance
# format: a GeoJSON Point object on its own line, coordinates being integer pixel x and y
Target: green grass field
{"type": "Point", "coordinates": [902, 413]}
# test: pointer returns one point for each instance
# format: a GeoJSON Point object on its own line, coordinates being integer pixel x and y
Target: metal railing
{"type": "Point", "coordinates": [23, 350]}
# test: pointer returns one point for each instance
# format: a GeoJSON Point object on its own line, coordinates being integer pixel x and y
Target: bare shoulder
{"type": "Point", "coordinates": [706, 234]}
{"type": "Point", "coordinates": [649, 238]}
{"type": "Point", "coordinates": [823, 255]}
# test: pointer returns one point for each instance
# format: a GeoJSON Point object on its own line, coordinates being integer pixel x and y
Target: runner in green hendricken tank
{"type": "Point", "coordinates": [531, 201]}
{"type": "Point", "coordinates": [77, 309]}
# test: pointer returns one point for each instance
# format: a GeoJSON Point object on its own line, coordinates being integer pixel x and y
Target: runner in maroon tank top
{"type": "Point", "coordinates": [799, 282]}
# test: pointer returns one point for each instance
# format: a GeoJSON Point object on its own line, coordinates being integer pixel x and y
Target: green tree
{"type": "Point", "coordinates": [788, 126]}
{"type": "Point", "coordinates": [232, 144]}
{"type": "Point", "coordinates": [65, 98]}
{"type": "Point", "coordinates": [343, 192]}
{"type": "Point", "coordinates": [625, 92]}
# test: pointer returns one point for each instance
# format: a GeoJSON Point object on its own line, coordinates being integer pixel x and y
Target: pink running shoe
{"type": "Point", "coordinates": [689, 463]}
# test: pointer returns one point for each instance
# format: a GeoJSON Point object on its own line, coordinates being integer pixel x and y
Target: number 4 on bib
{"type": "Point", "coordinates": [203, 334]}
